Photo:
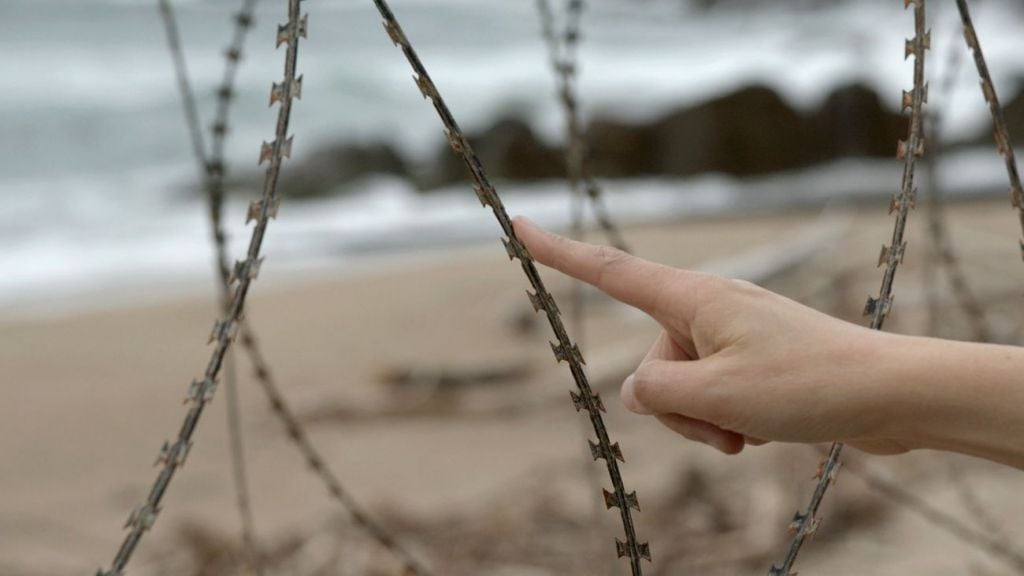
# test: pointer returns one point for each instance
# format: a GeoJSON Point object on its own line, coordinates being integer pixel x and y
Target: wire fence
{"type": "Point", "coordinates": [235, 281]}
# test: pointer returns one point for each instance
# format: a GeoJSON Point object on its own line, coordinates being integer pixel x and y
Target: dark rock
{"type": "Point", "coordinates": [748, 132]}
{"type": "Point", "coordinates": [853, 122]}
{"type": "Point", "coordinates": [619, 150]}
{"type": "Point", "coordinates": [509, 149]}
{"type": "Point", "coordinates": [340, 164]}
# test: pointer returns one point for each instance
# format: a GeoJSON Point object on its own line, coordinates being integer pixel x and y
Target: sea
{"type": "Point", "coordinates": [98, 185]}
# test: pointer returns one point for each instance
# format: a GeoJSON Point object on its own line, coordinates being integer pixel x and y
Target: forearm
{"type": "Point", "coordinates": [957, 396]}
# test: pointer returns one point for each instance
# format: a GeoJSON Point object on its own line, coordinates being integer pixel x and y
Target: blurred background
{"type": "Point", "coordinates": [752, 139]}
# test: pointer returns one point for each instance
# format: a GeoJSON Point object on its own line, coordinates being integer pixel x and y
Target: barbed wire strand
{"type": "Point", "coordinates": [172, 455]}
{"type": "Point", "coordinates": [318, 465]}
{"type": "Point", "coordinates": [941, 253]}
{"type": "Point", "coordinates": [562, 56]}
{"type": "Point", "coordinates": [980, 538]}
{"type": "Point", "coordinates": [805, 523]}
{"type": "Point", "coordinates": [563, 49]}
{"type": "Point", "coordinates": [212, 175]}
{"type": "Point", "coordinates": [584, 399]}
{"type": "Point", "coordinates": [1000, 131]}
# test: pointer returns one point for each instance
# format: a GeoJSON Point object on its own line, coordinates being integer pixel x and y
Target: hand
{"type": "Point", "coordinates": [735, 364]}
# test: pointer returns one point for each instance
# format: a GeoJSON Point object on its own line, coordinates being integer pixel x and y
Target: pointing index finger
{"type": "Point", "coordinates": [635, 281]}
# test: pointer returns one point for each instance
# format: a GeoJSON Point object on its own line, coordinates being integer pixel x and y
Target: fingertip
{"type": "Point", "coordinates": [727, 442]}
{"type": "Point", "coordinates": [528, 231]}
{"type": "Point", "coordinates": [628, 396]}
{"type": "Point", "coordinates": [532, 236]}
{"type": "Point", "coordinates": [520, 223]}
{"type": "Point", "coordinates": [628, 393]}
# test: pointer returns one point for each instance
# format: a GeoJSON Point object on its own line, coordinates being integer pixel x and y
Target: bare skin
{"type": "Point", "coordinates": [736, 364]}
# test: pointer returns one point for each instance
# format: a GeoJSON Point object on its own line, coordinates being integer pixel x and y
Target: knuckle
{"type": "Point", "coordinates": [607, 258]}
{"type": "Point", "coordinates": [709, 288]}
{"type": "Point", "coordinates": [609, 254]}
{"type": "Point", "coordinates": [746, 288]}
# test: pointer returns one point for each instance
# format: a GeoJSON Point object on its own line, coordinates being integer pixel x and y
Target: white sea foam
{"type": "Point", "coordinates": [95, 165]}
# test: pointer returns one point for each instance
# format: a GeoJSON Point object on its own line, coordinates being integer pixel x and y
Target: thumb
{"type": "Point", "coordinates": [684, 387]}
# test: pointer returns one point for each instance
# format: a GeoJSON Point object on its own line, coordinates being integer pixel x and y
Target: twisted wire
{"type": "Point", "coordinates": [584, 399]}
{"type": "Point", "coordinates": [805, 523]}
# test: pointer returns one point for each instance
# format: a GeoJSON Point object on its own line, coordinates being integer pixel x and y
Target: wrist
{"type": "Point", "coordinates": [879, 366]}
{"type": "Point", "coordinates": [955, 396]}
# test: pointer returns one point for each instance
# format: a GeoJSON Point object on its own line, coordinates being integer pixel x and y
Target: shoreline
{"type": "Point", "coordinates": [317, 238]}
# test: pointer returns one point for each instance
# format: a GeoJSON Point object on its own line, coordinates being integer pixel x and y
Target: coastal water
{"type": "Point", "coordinates": [97, 181]}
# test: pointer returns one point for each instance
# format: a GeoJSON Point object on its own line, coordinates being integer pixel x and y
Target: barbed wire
{"type": "Point", "coordinates": [980, 538]}
{"type": "Point", "coordinates": [562, 56]}
{"type": "Point", "coordinates": [563, 49]}
{"type": "Point", "coordinates": [211, 172]}
{"type": "Point", "coordinates": [214, 170]}
{"type": "Point", "coordinates": [1000, 131]}
{"type": "Point", "coordinates": [318, 465]}
{"type": "Point", "coordinates": [940, 245]}
{"type": "Point", "coordinates": [173, 454]}
{"type": "Point", "coordinates": [584, 399]}
{"type": "Point", "coordinates": [806, 523]}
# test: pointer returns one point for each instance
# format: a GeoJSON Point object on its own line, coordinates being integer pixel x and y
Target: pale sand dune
{"type": "Point", "coordinates": [89, 399]}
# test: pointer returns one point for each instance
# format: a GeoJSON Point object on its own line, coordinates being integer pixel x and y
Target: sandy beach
{"type": "Point", "coordinates": [489, 479]}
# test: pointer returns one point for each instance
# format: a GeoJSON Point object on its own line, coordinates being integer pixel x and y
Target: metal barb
{"type": "Point", "coordinates": [484, 194]}
{"type": "Point", "coordinates": [256, 210]}
{"type": "Point", "coordinates": [613, 500]}
{"type": "Point", "coordinates": [878, 308]}
{"type": "Point", "coordinates": [563, 354]}
{"type": "Point", "coordinates": [515, 249]}
{"type": "Point", "coordinates": [542, 302]}
{"type": "Point", "coordinates": [247, 268]}
{"type": "Point", "coordinates": [598, 451]}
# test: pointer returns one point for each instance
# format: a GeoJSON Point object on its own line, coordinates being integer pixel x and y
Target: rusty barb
{"type": "Point", "coordinates": [562, 56]}
{"type": "Point", "coordinates": [806, 523]}
{"type": "Point", "coordinates": [1001, 133]}
{"type": "Point", "coordinates": [583, 398]}
{"type": "Point", "coordinates": [173, 454]}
